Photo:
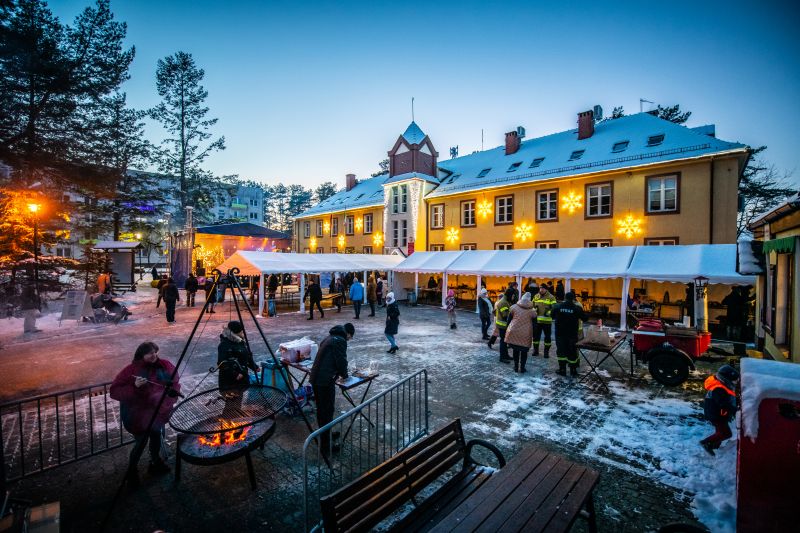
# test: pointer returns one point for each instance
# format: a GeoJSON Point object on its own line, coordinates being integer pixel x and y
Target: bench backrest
{"type": "Point", "coordinates": [365, 501]}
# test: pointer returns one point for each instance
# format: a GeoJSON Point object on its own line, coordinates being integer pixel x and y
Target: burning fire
{"type": "Point", "coordinates": [226, 437]}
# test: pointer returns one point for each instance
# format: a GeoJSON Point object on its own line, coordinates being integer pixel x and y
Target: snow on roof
{"type": "Point", "coordinates": [241, 229]}
{"type": "Point", "coordinates": [683, 263]}
{"type": "Point", "coordinates": [413, 134]}
{"type": "Point", "coordinates": [428, 262]}
{"type": "Point", "coordinates": [256, 263]}
{"type": "Point", "coordinates": [762, 379]}
{"type": "Point", "coordinates": [116, 245]}
{"type": "Point", "coordinates": [580, 263]}
{"type": "Point", "coordinates": [556, 155]}
{"type": "Point", "coordinates": [409, 176]}
{"type": "Point", "coordinates": [749, 264]}
{"type": "Point", "coordinates": [366, 193]}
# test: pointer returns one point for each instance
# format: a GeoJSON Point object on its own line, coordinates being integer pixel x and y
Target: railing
{"type": "Point", "coordinates": [368, 435]}
{"type": "Point", "coordinates": [45, 432]}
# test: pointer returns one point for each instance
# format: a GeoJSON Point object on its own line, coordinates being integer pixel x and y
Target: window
{"type": "Point", "coordinates": [335, 226]}
{"type": "Point", "coordinates": [306, 230]}
{"type": "Point", "coordinates": [514, 166]}
{"type": "Point", "coordinates": [620, 146]}
{"type": "Point", "coordinates": [661, 241]}
{"type": "Point", "coordinates": [577, 154]}
{"type": "Point", "coordinates": [334, 250]}
{"type": "Point", "coordinates": [221, 213]}
{"type": "Point", "coordinates": [436, 247]}
{"type": "Point", "coordinates": [547, 206]}
{"type": "Point", "coordinates": [368, 224]}
{"type": "Point", "coordinates": [348, 225]}
{"type": "Point", "coordinates": [602, 243]}
{"type": "Point", "coordinates": [453, 178]}
{"type": "Point", "coordinates": [395, 233]}
{"type": "Point", "coordinates": [395, 199]}
{"type": "Point", "coordinates": [253, 216]}
{"type": "Point", "coordinates": [254, 202]}
{"type": "Point", "coordinates": [504, 246]}
{"type": "Point", "coordinates": [467, 213]}
{"type": "Point", "coordinates": [599, 202]}
{"type": "Point", "coordinates": [437, 216]}
{"type": "Point", "coordinates": [64, 252]}
{"type": "Point", "coordinates": [662, 194]}
{"type": "Point", "coordinates": [482, 173]}
{"type": "Point", "coordinates": [536, 162]}
{"type": "Point", "coordinates": [320, 250]}
{"type": "Point", "coordinates": [367, 250]}
{"type": "Point", "coordinates": [305, 250]}
{"type": "Point", "coordinates": [403, 232]}
{"type": "Point", "coordinates": [403, 198]}
{"type": "Point", "coordinates": [655, 140]}
{"type": "Point", "coordinates": [319, 228]}
{"type": "Point", "coordinates": [547, 244]}
{"type": "Point", "coordinates": [504, 210]}
{"type": "Point", "coordinates": [471, 246]}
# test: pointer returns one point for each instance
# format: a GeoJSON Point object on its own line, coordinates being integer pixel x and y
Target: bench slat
{"type": "Point", "coordinates": [571, 506]}
{"type": "Point", "coordinates": [549, 508]}
{"type": "Point", "coordinates": [374, 496]}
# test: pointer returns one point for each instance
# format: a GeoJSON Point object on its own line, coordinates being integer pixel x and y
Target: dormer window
{"type": "Point", "coordinates": [484, 172]}
{"type": "Point", "coordinates": [453, 178]}
{"type": "Point", "coordinates": [514, 166]}
{"type": "Point", "coordinates": [577, 154]}
{"type": "Point", "coordinates": [655, 140]}
{"type": "Point", "coordinates": [536, 162]}
{"type": "Point", "coordinates": [620, 146]}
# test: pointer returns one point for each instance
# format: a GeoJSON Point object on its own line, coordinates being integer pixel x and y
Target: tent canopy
{"type": "Point", "coordinates": [428, 262]}
{"type": "Point", "coordinates": [683, 263]}
{"type": "Point", "coordinates": [257, 263]}
{"type": "Point", "coordinates": [579, 263]}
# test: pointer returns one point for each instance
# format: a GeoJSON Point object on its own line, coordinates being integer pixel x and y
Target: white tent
{"type": "Point", "coordinates": [579, 263]}
{"type": "Point", "coordinates": [684, 263]}
{"type": "Point", "coordinates": [428, 262]}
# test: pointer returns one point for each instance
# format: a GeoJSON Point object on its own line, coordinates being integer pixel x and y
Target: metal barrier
{"type": "Point", "coordinates": [45, 432]}
{"type": "Point", "coordinates": [367, 436]}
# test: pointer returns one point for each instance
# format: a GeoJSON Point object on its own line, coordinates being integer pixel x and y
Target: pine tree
{"type": "Point", "coordinates": [324, 191]}
{"type": "Point", "coordinates": [761, 188]}
{"type": "Point", "coordinates": [184, 117]}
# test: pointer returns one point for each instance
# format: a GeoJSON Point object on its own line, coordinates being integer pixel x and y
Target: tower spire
{"type": "Point", "coordinates": [412, 109]}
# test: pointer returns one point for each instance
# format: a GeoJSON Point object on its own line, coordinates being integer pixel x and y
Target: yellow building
{"type": "Point", "coordinates": [633, 180]}
{"type": "Point", "coordinates": [777, 291]}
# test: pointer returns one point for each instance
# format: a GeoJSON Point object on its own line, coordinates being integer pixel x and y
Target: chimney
{"type": "Point", "coordinates": [350, 181]}
{"type": "Point", "coordinates": [512, 142]}
{"type": "Point", "coordinates": [585, 124]}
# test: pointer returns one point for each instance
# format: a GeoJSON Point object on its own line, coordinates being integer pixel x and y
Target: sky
{"type": "Point", "coordinates": [307, 92]}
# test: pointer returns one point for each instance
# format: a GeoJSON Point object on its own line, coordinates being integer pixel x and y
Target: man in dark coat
{"type": "Point", "coordinates": [171, 298]}
{"type": "Point", "coordinates": [191, 287]}
{"type": "Point", "coordinates": [160, 289]}
{"type": "Point", "coordinates": [154, 273]}
{"type": "Point", "coordinates": [736, 316]}
{"type": "Point", "coordinates": [568, 316]}
{"type": "Point", "coordinates": [234, 358]}
{"type": "Point", "coordinates": [392, 322]}
{"type": "Point", "coordinates": [330, 364]}
{"type": "Point", "coordinates": [211, 298]}
{"type": "Point", "coordinates": [314, 295]}
{"type": "Point", "coordinates": [272, 286]}
{"type": "Point", "coordinates": [560, 291]}
{"type": "Point", "coordinates": [485, 309]}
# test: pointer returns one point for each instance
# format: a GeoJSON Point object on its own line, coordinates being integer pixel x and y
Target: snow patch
{"type": "Point", "coordinates": [763, 379]}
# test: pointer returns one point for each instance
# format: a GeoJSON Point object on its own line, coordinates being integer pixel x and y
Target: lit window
{"type": "Point", "coordinates": [514, 166]}
{"type": "Point", "coordinates": [598, 200]}
{"type": "Point", "coordinates": [577, 154]}
{"type": "Point", "coordinates": [655, 140]}
{"type": "Point", "coordinates": [547, 205]}
{"type": "Point", "coordinates": [437, 216]}
{"type": "Point", "coordinates": [598, 244]}
{"type": "Point", "coordinates": [469, 246]}
{"type": "Point", "coordinates": [536, 162]}
{"type": "Point", "coordinates": [468, 213]}
{"type": "Point", "coordinates": [504, 246]}
{"type": "Point", "coordinates": [483, 172]}
{"type": "Point", "coordinates": [620, 146]}
{"type": "Point", "coordinates": [504, 210]}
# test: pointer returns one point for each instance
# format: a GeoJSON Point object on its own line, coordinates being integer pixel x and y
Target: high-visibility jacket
{"type": "Point", "coordinates": [544, 307]}
{"type": "Point", "coordinates": [501, 309]}
{"type": "Point", "coordinates": [720, 401]}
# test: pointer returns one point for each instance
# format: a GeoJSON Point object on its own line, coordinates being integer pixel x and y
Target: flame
{"type": "Point", "coordinates": [227, 438]}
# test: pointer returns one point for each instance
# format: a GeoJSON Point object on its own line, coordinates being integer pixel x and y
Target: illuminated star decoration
{"type": "Point", "coordinates": [452, 235]}
{"type": "Point", "coordinates": [377, 239]}
{"type": "Point", "coordinates": [572, 202]}
{"type": "Point", "coordinates": [629, 226]}
{"type": "Point", "coordinates": [313, 242]}
{"type": "Point", "coordinates": [523, 232]}
{"type": "Point", "coordinates": [359, 224]}
{"type": "Point", "coordinates": [485, 208]}
{"type": "Point", "coordinates": [341, 241]}
{"type": "Point", "coordinates": [326, 226]}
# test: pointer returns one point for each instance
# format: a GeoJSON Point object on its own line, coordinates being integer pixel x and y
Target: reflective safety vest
{"type": "Point", "coordinates": [501, 315]}
{"type": "Point", "coordinates": [544, 307]}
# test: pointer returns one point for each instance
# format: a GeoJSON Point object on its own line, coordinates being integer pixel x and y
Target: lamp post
{"type": "Point", "coordinates": [701, 303]}
{"type": "Point", "coordinates": [139, 253]}
{"type": "Point", "coordinates": [34, 209]}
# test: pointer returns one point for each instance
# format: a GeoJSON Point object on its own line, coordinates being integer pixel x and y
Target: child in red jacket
{"type": "Point", "coordinates": [720, 406]}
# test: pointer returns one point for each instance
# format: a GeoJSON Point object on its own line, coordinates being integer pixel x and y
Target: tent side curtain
{"type": "Point", "coordinates": [784, 245]}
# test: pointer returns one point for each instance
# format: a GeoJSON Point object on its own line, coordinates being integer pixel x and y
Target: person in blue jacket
{"type": "Point", "coordinates": [357, 295]}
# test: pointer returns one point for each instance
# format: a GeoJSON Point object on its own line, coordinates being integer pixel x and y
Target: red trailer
{"type": "Point", "coordinates": [670, 352]}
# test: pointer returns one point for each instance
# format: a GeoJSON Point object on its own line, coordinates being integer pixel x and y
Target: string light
{"type": "Point", "coordinates": [377, 239]}
{"type": "Point", "coordinates": [452, 235]}
{"type": "Point", "coordinates": [485, 208]}
{"type": "Point", "coordinates": [629, 226]}
{"type": "Point", "coordinates": [572, 202]}
{"type": "Point", "coordinates": [359, 224]}
{"type": "Point", "coordinates": [523, 232]}
{"type": "Point", "coordinates": [313, 242]}
{"type": "Point", "coordinates": [326, 226]}
{"type": "Point", "coordinates": [341, 241]}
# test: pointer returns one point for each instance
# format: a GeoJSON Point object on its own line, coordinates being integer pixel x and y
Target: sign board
{"type": "Point", "coordinates": [77, 304]}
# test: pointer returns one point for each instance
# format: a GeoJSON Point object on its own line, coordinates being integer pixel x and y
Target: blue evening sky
{"type": "Point", "coordinates": [309, 91]}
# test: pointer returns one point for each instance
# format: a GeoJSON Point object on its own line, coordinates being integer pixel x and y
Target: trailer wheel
{"type": "Point", "coordinates": [667, 367]}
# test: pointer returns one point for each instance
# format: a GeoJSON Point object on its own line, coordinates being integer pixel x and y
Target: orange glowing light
{"type": "Point", "coordinates": [572, 202]}
{"type": "Point", "coordinates": [313, 242]}
{"type": "Point", "coordinates": [485, 208]}
{"type": "Point", "coordinates": [341, 241]}
{"type": "Point", "coordinates": [226, 437]}
{"type": "Point", "coordinates": [326, 226]}
{"type": "Point", "coordinates": [359, 224]}
{"type": "Point", "coordinates": [523, 232]}
{"type": "Point", "coordinates": [452, 235]}
{"type": "Point", "coordinates": [629, 227]}
{"type": "Point", "coordinates": [377, 239]}
{"type": "Point", "coordinates": [33, 208]}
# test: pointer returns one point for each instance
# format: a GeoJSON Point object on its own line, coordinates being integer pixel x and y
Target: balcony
{"type": "Point", "coordinates": [238, 207]}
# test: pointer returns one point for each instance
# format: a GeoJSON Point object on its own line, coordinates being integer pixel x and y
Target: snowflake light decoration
{"type": "Point", "coordinates": [485, 208]}
{"type": "Point", "coordinates": [341, 241]}
{"type": "Point", "coordinates": [629, 226]}
{"type": "Point", "coordinates": [377, 239]}
{"type": "Point", "coordinates": [359, 223]}
{"type": "Point", "coordinates": [313, 242]}
{"type": "Point", "coordinates": [452, 235]}
{"type": "Point", "coordinates": [523, 232]}
{"type": "Point", "coordinates": [326, 226]}
{"type": "Point", "coordinates": [572, 202]}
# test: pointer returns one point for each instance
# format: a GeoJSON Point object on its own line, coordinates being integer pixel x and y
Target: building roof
{"type": "Point", "coordinates": [785, 208]}
{"type": "Point", "coordinates": [410, 176]}
{"type": "Point", "coordinates": [413, 134]}
{"type": "Point", "coordinates": [116, 245]}
{"type": "Point", "coordinates": [242, 229]}
{"type": "Point", "coordinates": [366, 193]}
{"type": "Point", "coordinates": [562, 154]}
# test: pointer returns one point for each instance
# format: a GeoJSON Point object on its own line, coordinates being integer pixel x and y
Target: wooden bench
{"type": "Point", "coordinates": [377, 494]}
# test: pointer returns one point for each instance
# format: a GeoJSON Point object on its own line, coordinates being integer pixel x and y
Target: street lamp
{"type": "Point", "coordinates": [34, 209]}
{"type": "Point", "coordinates": [139, 253]}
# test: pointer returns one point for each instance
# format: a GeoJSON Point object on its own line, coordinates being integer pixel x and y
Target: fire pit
{"type": "Point", "coordinates": [219, 426]}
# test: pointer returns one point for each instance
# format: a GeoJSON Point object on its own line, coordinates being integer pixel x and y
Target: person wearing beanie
{"type": "Point", "coordinates": [392, 322]}
{"type": "Point", "coordinates": [330, 364]}
{"type": "Point", "coordinates": [485, 308]}
{"type": "Point", "coordinates": [450, 305]}
{"type": "Point", "coordinates": [719, 406]}
{"type": "Point", "coordinates": [234, 358]}
{"type": "Point", "coordinates": [568, 316]}
{"type": "Point", "coordinates": [519, 335]}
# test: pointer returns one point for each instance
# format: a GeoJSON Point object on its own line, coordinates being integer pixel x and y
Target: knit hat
{"type": "Point", "coordinates": [451, 292]}
{"type": "Point", "coordinates": [483, 292]}
{"type": "Point", "coordinates": [526, 298]}
{"type": "Point", "coordinates": [570, 296]}
{"type": "Point", "coordinates": [390, 298]}
{"type": "Point", "coordinates": [235, 326]}
{"type": "Point", "coordinates": [727, 374]}
{"type": "Point", "coordinates": [350, 329]}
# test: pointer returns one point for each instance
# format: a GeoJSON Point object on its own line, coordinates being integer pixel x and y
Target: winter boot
{"type": "Point", "coordinates": [535, 350]}
{"type": "Point", "coordinates": [546, 352]}
{"type": "Point", "coordinates": [522, 362]}
{"type": "Point", "coordinates": [562, 368]}
{"type": "Point", "coordinates": [516, 363]}
{"type": "Point", "coordinates": [708, 447]}
{"type": "Point", "coordinates": [573, 370]}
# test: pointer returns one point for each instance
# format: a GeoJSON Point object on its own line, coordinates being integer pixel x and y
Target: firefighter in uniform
{"type": "Point", "coordinates": [543, 302]}
{"type": "Point", "coordinates": [568, 316]}
{"type": "Point", "coordinates": [501, 310]}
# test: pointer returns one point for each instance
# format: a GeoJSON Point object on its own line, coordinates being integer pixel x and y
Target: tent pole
{"type": "Point", "coordinates": [519, 285]}
{"type": "Point", "coordinates": [365, 286]}
{"type": "Point", "coordinates": [477, 294]}
{"type": "Point", "coordinates": [416, 284]}
{"type": "Point", "coordinates": [623, 307]}
{"type": "Point", "coordinates": [567, 285]}
{"type": "Point", "coordinates": [444, 288]}
{"type": "Point", "coordinates": [261, 295]}
{"type": "Point", "coordinates": [302, 292]}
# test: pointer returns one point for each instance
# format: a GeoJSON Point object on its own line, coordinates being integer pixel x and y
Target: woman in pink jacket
{"type": "Point", "coordinates": [519, 334]}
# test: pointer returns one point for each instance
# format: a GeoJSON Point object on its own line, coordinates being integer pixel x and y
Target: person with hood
{"type": "Point", "coordinates": [314, 295]}
{"type": "Point", "coordinates": [519, 335]}
{"type": "Point", "coordinates": [372, 294]}
{"type": "Point", "coordinates": [139, 388]}
{"type": "Point", "coordinates": [211, 298]}
{"type": "Point", "coordinates": [450, 305]}
{"type": "Point", "coordinates": [357, 296]}
{"type": "Point", "coordinates": [330, 364]}
{"type": "Point", "coordinates": [191, 287]}
{"type": "Point", "coordinates": [171, 298]}
{"type": "Point", "coordinates": [392, 322]}
{"type": "Point", "coordinates": [513, 297]}
{"type": "Point", "coordinates": [568, 316]}
{"type": "Point", "coordinates": [544, 302]}
{"type": "Point", "coordinates": [154, 273]}
{"type": "Point", "coordinates": [234, 358]}
{"type": "Point", "coordinates": [719, 406]}
{"type": "Point", "coordinates": [560, 291]}
{"type": "Point", "coordinates": [485, 308]}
